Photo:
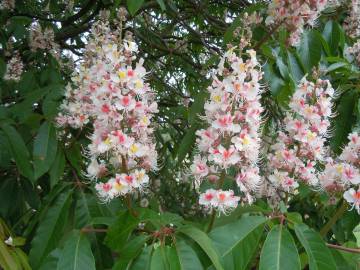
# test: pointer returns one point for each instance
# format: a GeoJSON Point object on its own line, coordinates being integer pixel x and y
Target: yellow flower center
{"type": "Point", "coordinates": [138, 84]}
{"type": "Point", "coordinates": [339, 168]}
{"type": "Point", "coordinates": [217, 98]}
{"type": "Point", "coordinates": [122, 75]}
{"type": "Point", "coordinates": [134, 148]}
{"type": "Point", "coordinates": [118, 186]}
{"type": "Point", "coordinates": [242, 67]}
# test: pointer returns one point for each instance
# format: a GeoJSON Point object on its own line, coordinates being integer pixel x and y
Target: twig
{"type": "Point", "coordinates": [338, 214]}
{"type": "Point", "coordinates": [346, 249]}
{"type": "Point", "coordinates": [90, 230]}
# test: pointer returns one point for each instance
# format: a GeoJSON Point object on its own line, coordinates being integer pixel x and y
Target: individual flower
{"type": "Point", "coordinates": [353, 198]}
{"type": "Point", "coordinates": [221, 200]}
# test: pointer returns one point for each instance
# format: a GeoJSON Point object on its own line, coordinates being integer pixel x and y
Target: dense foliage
{"type": "Point", "coordinates": [146, 134]}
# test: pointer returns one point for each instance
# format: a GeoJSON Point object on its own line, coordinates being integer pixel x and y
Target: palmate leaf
{"type": "Point", "coordinates": [76, 254]}
{"type": "Point", "coordinates": [320, 257]}
{"type": "Point", "coordinates": [237, 241]}
{"type": "Point", "coordinates": [279, 251]}
{"type": "Point", "coordinates": [50, 230]}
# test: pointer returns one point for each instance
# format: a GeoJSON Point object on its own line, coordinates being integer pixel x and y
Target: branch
{"type": "Point", "coordinates": [333, 219]}
{"type": "Point", "coordinates": [346, 249]}
{"type": "Point", "coordinates": [82, 12]}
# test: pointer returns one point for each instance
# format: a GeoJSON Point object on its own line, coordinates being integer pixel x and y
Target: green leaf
{"type": "Point", "coordinates": [331, 35]}
{"type": "Point", "coordinates": [279, 251]}
{"type": "Point", "coordinates": [336, 66]}
{"type": "Point", "coordinates": [275, 82]}
{"type": "Point", "coordinates": [310, 49]}
{"type": "Point", "coordinates": [320, 257]}
{"type": "Point", "coordinates": [57, 168]}
{"type": "Point", "coordinates": [204, 242]}
{"type": "Point", "coordinates": [344, 120]}
{"type": "Point", "coordinates": [76, 254]}
{"type": "Point", "coordinates": [130, 250]}
{"type": "Point", "coordinates": [197, 107]}
{"type": "Point", "coordinates": [74, 156]}
{"type": "Point", "coordinates": [237, 241]}
{"type": "Point", "coordinates": [2, 67]}
{"type": "Point", "coordinates": [186, 143]}
{"type": "Point", "coordinates": [158, 259]}
{"type": "Point", "coordinates": [7, 261]}
{"type": "Point", "coordinates": [87, 207]}
{"type": "Point", "coordinates": [19, 151]}
{"type": "Point", "coordinates": [50, 230]}
{"type": "Point", "coordinates": [143, 260]}
{"type": "Point", "coordinates": [51, 260]}
{"type": "Point", "coordinates": [45, 146]}
{"type": "Point", "coordinates": [294, 66]}
{"type": "Point", "coordinates": [341, 263]}
{"type": "Point", "coordinates": [51, 102]}
{"type": "Point", "coordinates": [161, 4]}
{"type": "Point", "coordinates": [356, 232]}
{"type": "Point", "coordinates": [187, 257]}
{"type": "Point", "coordinates": [120, 231]}
{"type": "Point", "coordinates": [134, 5]}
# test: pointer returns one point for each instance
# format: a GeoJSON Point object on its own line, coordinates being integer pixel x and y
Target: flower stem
{"type": "Point", "coordinates": [213, 213]}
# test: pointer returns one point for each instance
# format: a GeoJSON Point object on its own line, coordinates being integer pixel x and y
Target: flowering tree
{"type": "Point", "coordinates": [180, 135]}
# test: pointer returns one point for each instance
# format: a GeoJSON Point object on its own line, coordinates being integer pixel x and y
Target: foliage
{"type": "Point", "coordinates": [51, 218]}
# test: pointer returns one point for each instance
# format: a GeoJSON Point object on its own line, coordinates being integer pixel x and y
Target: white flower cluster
{"type": "Point", "coordinates": [233, 114]}
{"type": "Point", "coordinates": [109, 95]}
{"type": "Point", "coordinates": [14, 68]}
{"type": "Point", "coordinates": [7, 4]}
{"type": "Point", "coordinates": [43, 39]}
{"type": "Point", "coordinates": [301, 143]}
{"type": "Point", "coordinates": [352, 22]}
{"type": "Point", "coordinates": [344, 173]}
{"type": "Point", "coordinates": [294, 15]}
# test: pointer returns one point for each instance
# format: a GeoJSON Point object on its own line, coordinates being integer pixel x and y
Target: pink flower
{"type": "Point", "coordinates": [353, 198]}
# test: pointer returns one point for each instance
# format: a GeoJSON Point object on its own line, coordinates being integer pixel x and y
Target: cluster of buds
{"type": "Point", "coordinates": [245, 31]}
{"type": "Point", "coordinates": [352, 22]}
{"type": "Point", "coordinates": [14, 68]}
{"type": "Point", "coordinates": [294, 15]}
{"type": "Point", "coordinates": [300, 145]}
{"type": "Point", "coordinates": [110, 95]}
{"type": "Point", "coordinates": [233, 114]}
{"type": "Point", "coordinates": [43, 39]}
